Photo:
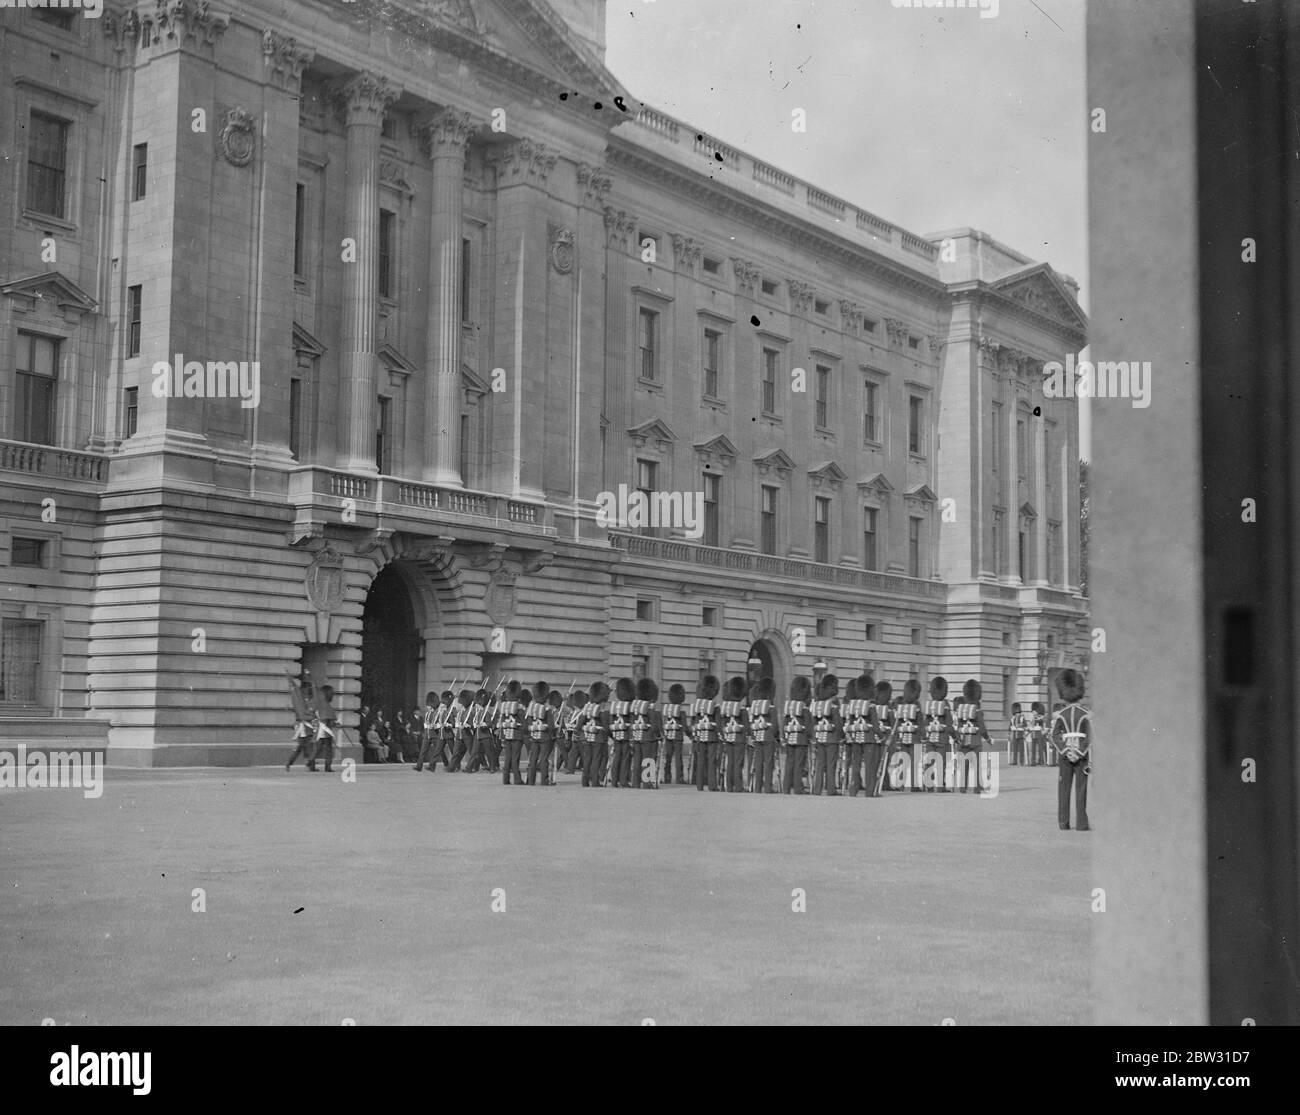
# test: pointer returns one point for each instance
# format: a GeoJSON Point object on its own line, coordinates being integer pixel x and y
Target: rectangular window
{"type": "Point", "coordinates": [131, 412]}
{"type": "Point", "coordinates": [869, 632]}
{"type": "Point", "coordinates": [1022, 450]}
{"type": "Point", "coordinates": [1006, 638]}
{"type": "Point", "coordinates": [769, 380]}
{"type": "Point", "coordinates": [1054, 576]}
{"type": "Point", "coordinates": [295, 418]}
{"type": "Point", "coordinates": [134, 317]}
{"type": "Point", "coordinates": [647, 341]}
{"type": "Point", "coordinates": [711, 265]}
{"type": "Point", "coordinates": [998, 541]}
{"type": "Point", "coordinates": [1020, 556]}
{"type": "Point", "coordinates": [56, 18]}
{"type": "Point", "coordinates": [871, 411]}
{"type": "Point", "coordinates": [647, 483]}
{"type": "Point", "coordinates": [822, 399]}
{"type": "Point", "coordinates": [823, 627]}
{"type": "Point", "coordinates": [47, 163]}
{"type": "Point", "coordinates": [139, 170]}
{"type": "Point", "coordinates": [913, 547]}
{"type": "Point", "coordinates": [712, 356]}
{"type": "Point", "coordinates": [388, 127]}
{"type": "Point", "coordinates": [465, 287]}
{"type": "Point", "coordinates": [387, 224]}
{"type": "Point", "coordinates": [913, 342]}
{"type": "Point", "coordinates": [708, 616]}
{"type": "Point", "coordinates": [640, 663]}
{"type": "Point", "coordinates": [383, 443]}
{"type": "Point", "coordinates": [645, 610]}
{"type": "Point", "coordinates": [769, 286]}
{"type": "Point", "coordinates": [36, 385]}
{"type": "Point", "coordinates": [820, 307]}
{"type": "Point", "coordinates": [995, 441]}
{"type": "Point", "coordinates": [20, 660]}
{"type": "Point", "coordinates": [821, 529]}
{"type": "Point", "coordinates": [918, 636]}
{"type": "Point", "coordinates": [767, 540]}
{"type": "Point", "coordinates": [915, 424]}
{"type": "Point", "coordinates": [869, 538]}
{"type": "Point", "coordinates": [299, 227]}
{"type": "Point", "coordinates": [868, 325]}
{"type": "Point", "coordinates": [28, 552]}
{"type": "Point", "coordinates": [712, 498]}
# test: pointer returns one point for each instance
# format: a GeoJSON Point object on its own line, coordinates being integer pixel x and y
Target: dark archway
{"type": "Point", "coordinates": [390, 646]}
{"type": "Point", "coordinates": [762, 663]}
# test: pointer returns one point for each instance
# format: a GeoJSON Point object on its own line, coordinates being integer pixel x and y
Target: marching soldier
{"type": "Point", "coordinates": [593, 725]}
{"type": "Point", "coordinates": [620, 723]}
{"type": "Point", "coordinates": [857, 728]}
{"type": "Point", "coordinates": [572, 737]}
{"type": "Point", "coordinates": [510, 730]}
{"type": "Point", "coordinates": [938, 731]}
{"type": "Point", "coordinates": [327, 724]}
{"type": "Point", "coordinates": [907, 721]}
{"type": "Point", "coordinates": [431, 734]}
{"type": "Point", "coordinates": [827, 733]}
{"type": "Point", "coordinates": [1017, 736]}
{"type": "Point", "coordinates": [1037, 726]}
{"type": "Point", "coordinates": [971, 734]}
{"type": "Point", "coordinates": [882, 734]}
{"type": "Point", "coordinates": [478, 729]}
{"type": "Point", "coordinates": [704, 733]}
{"type": "Point", "coordinates": [304, 723]}
{"type": "Point", "coordinates": [645, 731]}
{"type": "Point", "coordinates": [1072, 740]}
{"type": "Point", "coordinates": [797, 729]}
{"type": "Point", "coordinates": [539, 727]}
{"type": "Point", "coordinates": [673, 719]}
{"type": "Point", "coordinates": [763, 734]}
{"type": "Point", "coordinates": [734, 721]}
{"type": "Point", "coordinates": [556, 701]}
{"type": "Point", "coordinates": [460, 729]}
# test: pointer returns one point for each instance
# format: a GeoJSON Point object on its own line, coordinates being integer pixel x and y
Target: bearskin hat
{"type": "Point", "coordinates": [482, 697]}
{"type": "Point", "coordinates": [578, 698]}
{"type": "Point", "coordinates": [676, 694]}
{"type": "Point", "coordinates": [525, 697]}
{"type": "Point", "coordinates": [762, 689]}
{"type": "Point", "coordinates": [513, 689]}
{"type": "Point", "coordinates": [448, 696]}
{"type": "Point", "coordinates": [708, 688]}
{"type": "Point", "coordinates": [938, 688]}
{"type": "Point", "coordinates": [555, 698]}
{"type": "Point", "coordinates": [599, 692]}
{"type": "Point", "coordinates": [624, 689]}
{"type": "Point", "coordinates": [911, 691]}
{"type": "Point", "coordinates": [431, 697]}
{"type": "Point", "coordinates": [1069, 684]}
{"type": "Point", "coordinates": [735, 690]}
{"type": "Point", "coordinates": [1015, 707]}
{"type": "Point", "coordinates": [646, 690]}
{"type": "Point", "coordinates": [865, 685]}
{"type": "Point", "coordinates": [884, 691]}
{"type": "Point", "coordinates": [541, 691]}
{"type": "Point", "coordinates": [972, 691]}
{"type": "Point", "coordinates": [828, 687]}
{"type": "Point", "coordinates": [801, 689]}
{"type": "Point", "coordinates": [1038, 706]}
{"type": "Point", "coordinates": [851, 690]}
{"type": "Point", "coordinates": [466, 697]}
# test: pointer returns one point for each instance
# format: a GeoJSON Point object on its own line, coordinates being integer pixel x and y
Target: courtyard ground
{"type": "Point", "coordinates": [372, 901]}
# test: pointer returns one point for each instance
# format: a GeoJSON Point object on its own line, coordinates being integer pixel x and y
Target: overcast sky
{"type": "Point", "coordinates": [933, 118]}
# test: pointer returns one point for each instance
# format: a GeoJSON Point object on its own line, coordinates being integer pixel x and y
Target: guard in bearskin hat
{"type": "Point", "coordinates": [796, 730]}
{"type": "Point", "coordinates": [857, 712]}
{"type": "Point", "coordinates": [539, 731]}
{"type": "Point", "coordinates": [673, 721]}
{"type": "Point", "coordinates": [704, 733]}
{"type": "Point", "coordinates": [763, 734]}
{"type": "Point", "coordinates": [644, 734]}
{"type": "Point", "coordinates": [620, 733]}
{"type": "Point", "coordinates": [593, 730]}
{"type": "Point", "coordinates": [938, 737]}
{"type": "Point", "coordinates": [827, 735]}
{"type": "Point", "coordinates": [972, 734]}
{"type": "Point", "coordinates": [1072, 740]}
{"type": "Point", "coordinates": [733, 723]}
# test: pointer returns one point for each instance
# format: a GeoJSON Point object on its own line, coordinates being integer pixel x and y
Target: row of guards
{"type": "Point", "coordinates": [733, 738]}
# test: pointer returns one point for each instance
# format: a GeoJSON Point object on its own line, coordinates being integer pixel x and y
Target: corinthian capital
{"type": "Point", "coordinates": [446, 132]}
{"type": "Point", "coordinates": [618, 228]}
{"type": "Point", "coordinates": [284, 58]}
{"type": "Point", "coordinates": [746, 276]}
{"type": "Point", "coordinates": [594, 184]}
{"type": "Point", "coordinates": [364, 97]}
{"type": "Point", "coordinates": [525, 161]}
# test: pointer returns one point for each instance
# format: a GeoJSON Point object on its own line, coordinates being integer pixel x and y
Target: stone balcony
{"type": "Point", "coordinates": [789, 572]}
{"type": "Point", "coordinates": [50, 462]}
{"type": "Point", "coordinates": [320, 495]}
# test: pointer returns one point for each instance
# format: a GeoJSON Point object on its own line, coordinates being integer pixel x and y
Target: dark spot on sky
{"type": "Point", "coordinates": [753, 320]}
{"type": "Point", "coordinates": [598, 105]}
{"type": "Point", "coordinates": [564, 96]}
{"type": "Point", "coordinates": [300, 909]}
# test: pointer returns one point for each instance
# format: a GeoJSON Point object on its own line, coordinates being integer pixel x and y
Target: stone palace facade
{"type": "Point", "coordinates": [424, 281]}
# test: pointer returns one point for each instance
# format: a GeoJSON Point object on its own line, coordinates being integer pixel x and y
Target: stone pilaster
{"type": "Point", "coordinates": [446, 137]}
{"type": "Point", "coordinates": [364, 99]}
{"type": "Point", "coordinates": [620, 231]}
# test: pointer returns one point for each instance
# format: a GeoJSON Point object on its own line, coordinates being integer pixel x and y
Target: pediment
{"type": "Point", "coordinates": [778, 459]}
{"type": "Point", "coordinates": [656, 429]}
{"type": "Point", "coordinates": [720, 446]}
{"type": "Point", "coordinates": [877, 482]}
{"type": "Point", "coordinates": [54, 286]}
{"type": "Point", "coordinates": [828, 470]}
{"type": "Point", "coordinates": [922, 492]}
{"type": "Point", "coordinates": [1038, 289]}
{"type": "Point", "coordinates": [472, 381]}
{"type": "Point", "coordinates": [305, 342]}
{"type": "Point", "coordinates": [394, 361]}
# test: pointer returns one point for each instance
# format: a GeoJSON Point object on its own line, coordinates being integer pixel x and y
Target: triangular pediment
{"type": "Point", "coordinates": [1039, 289]}
{"type": "Point", "coordinates": [876, 481]}
{"type": "Point", "coordinates": [305, 342]}
{"type": "Point", "coordinates": [394, 361]}
{"type": "Point", "coordinates": [52, 285]}
{"type": "Point", "coordinates": [923, 492]}
{"type": "Point", "coordinates": [721, 445]}
{"type": "Point", "coordinates": [656, 429]}
{"type": "Point", "coordinates": [778, 459]}
{"type": "Point", "coordinates": [472, 381]}
{"type": "Point", "coordinates": [1027, 511]}
{"type": "Point", "coordinates": [828, 470]}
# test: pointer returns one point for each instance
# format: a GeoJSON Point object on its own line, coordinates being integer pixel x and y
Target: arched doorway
{"type": "Point", "coordinates": [390, 646]}
{"type": "Point", "coordinates": [763, 662]}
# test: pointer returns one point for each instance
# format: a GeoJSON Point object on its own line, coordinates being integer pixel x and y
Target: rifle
{"type": "Point", "coordinates": [883, 768]}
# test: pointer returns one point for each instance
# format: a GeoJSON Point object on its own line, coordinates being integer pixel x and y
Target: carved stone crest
{"type": "Point", "coordinates": [561, 248]}
{"type": "Point", "coordinates": [236, 137]}
{"type": "Point", "coordinates": [324, 580]}
{"type": "Point", "coordinates": [499, 598]}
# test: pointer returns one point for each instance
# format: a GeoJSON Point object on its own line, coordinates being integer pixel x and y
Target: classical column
{"type": "Point", "coordinates": [365, 98]}
{"type": "Point", "coordinates": [446, 135]}
{"type": "Point", "coordinates": [619, 232]}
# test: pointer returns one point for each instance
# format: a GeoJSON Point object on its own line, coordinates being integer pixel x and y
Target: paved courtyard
{"type": "Point", "coordinates": [372, 901]}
